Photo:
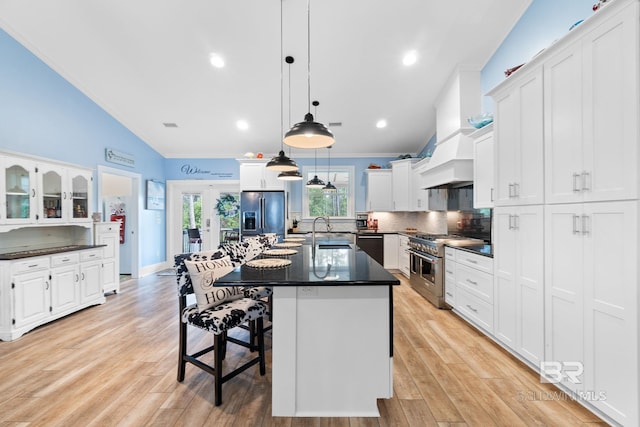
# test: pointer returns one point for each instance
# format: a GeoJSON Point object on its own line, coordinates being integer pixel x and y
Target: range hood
{"type": "Point", "coordinates": [452, 161]}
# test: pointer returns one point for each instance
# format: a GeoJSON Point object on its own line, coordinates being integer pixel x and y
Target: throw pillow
{"type": "Point", "coordinates": [203, 276]}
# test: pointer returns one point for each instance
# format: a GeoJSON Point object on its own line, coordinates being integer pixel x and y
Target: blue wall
{"type": "Point", "coordinates": [44, 115]}
{"type": "Point", "coordinates": [544, 22]}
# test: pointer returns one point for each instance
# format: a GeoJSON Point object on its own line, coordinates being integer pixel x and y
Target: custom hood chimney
{"type": "Point", "coordinates": [452, 159]}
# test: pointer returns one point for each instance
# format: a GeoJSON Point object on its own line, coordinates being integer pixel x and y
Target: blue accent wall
{"type": "Point", "coordinates": [42, 114]}
{"type": "Point", "coordinates": [543, 22]}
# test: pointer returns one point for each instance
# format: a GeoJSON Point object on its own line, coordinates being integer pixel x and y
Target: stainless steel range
{"type": "Point", "coordinates": [427, 266]}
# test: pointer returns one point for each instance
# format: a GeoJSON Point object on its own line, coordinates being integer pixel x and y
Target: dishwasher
{"type": "Point", "coordinates": [373, 245]}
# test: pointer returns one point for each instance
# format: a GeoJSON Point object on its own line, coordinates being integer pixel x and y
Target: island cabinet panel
{"type": "Point", "coordinates": [332, 352]}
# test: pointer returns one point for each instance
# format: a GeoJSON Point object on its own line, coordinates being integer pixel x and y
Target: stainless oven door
{"type": "Point", "coordinates": [424, 266]}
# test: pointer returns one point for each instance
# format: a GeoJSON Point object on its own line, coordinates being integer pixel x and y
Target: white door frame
{"type": "Point", "coordinates": [210, 190]}
{"type": "Point", "coordinates": [136, 188]}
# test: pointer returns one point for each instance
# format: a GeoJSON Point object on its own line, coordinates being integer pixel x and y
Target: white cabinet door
{"type": "Point", "coordinates": [31, 292]}
{"type": "Point", "coordinates": [65, 288]}
{"type": "Point", "coordinates": [402, 192]}
{"type": "Point", "coordinates": [403, 255]}
{"type": "Point", "coordinates": [518, 131]}
{"type": "Point", "coordinates": [564, 286]}
{"type": "Point", "coordinates": [379, 190]}
{"type": "Point", "coordinates": [52, 188]}
{"type": "Point", "coordinates": [610, 306]}
{"type": "Point", "coordinates": [391, 251]}
{"type": "Point", "coordinates": [255, 176]}
{"type": "Point", "coordinates": [79, 195]}
{"type": "Point", "coordinates": [610, 117]}
{"type": "Point", "coordinates": [91, 287]}
{"type": "Point", "coordinates": [563, 125]}
{"type": "Point", "coordinates": [483, 171]}
{"type": "Point", "coordinates": [19, 194]}
{"type": "Point", "coordinates": [505, 243]}
{"type": "Point", "coordinates": [591, 119]}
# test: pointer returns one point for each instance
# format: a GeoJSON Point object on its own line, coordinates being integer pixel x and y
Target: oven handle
{"type": "Point", "coordinates": [432, 260]}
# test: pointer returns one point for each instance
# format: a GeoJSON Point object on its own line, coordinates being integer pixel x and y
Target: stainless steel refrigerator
{"type": "Point", "coordinates": [262, 212]}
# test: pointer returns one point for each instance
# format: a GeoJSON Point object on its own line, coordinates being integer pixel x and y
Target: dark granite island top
{"type": "Point", "coordinates": [334, 264]}
{"type": "Point", "coordinates": [332, 342]}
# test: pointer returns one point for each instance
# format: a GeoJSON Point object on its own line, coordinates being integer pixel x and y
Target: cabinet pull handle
{"type": "Point", "coordinates": [475, 310]}
{"type": "Point", "coordinates": [77, 277]}
{"type": "Point", "coordinates": [576, 188]}
{"type": "Point", "coordinates": [82, 276]}
{"type": "Point", "coordinates": [33, 192]}
{"type": "Point", "coordinates": [586, 178]}
{"type": "Point", "coordinates": [492, 194]}
{"type": "Point", "coordinates": [64, 195]}
{"type": "Point", "coordinates": [449, 271]}
{"type": "Point", "coordinates": [472, 282]}
{"type": "Point", "coordinates": [585, 222]}
{"type": "Point", "coordinates": [450, 294]}
{"type": "Point", "coordinates": [510, 190]}
{"type": "Point", "coordinates": [47, 285]}
{"type": "Point", "coordinates": [576, 227]}
{"type": "Point", "coordinates": [472, 261]}
{"type": "Point", "coordinates": [32, 265]}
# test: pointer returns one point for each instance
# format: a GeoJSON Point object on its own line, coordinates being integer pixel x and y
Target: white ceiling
{"type": "Point", "coordinates": [146, 62]}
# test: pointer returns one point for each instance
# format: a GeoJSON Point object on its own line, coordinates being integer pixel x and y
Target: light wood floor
{"type": "Point", "coordinates": [115, 365]}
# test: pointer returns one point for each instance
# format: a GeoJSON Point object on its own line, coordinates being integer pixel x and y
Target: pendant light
{"type": "Point", "coordinates": [329, 188]}
{"type": "Point", "coordinates": [281, 162]}
{"type": "Point", "coordinates": [290, 175]}
{"type": "Point", "coordinates": [315, 182]}
{"type": "Point", "coordinates": [309, 133]}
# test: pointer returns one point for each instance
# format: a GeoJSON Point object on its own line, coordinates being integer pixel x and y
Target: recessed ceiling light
{"type": "Point", "coordinates": [242, 124]}
{"type": "Point", "coordinates": [410, 58]}
{"type": "Point", "coordinates": [381, 124]}
{"type": "Point", "coordinates": [216, 60]}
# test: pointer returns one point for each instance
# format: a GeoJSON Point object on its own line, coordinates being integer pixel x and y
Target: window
{"type": "Point", "coordinates": [338, 204]}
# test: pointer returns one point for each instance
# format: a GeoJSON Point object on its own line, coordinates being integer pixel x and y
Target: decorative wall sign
{"type": "Point", "coordinates": [118, 157]}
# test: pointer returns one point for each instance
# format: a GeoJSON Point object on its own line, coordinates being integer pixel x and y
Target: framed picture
{"type": "Point", "coordinates": [155, 195]}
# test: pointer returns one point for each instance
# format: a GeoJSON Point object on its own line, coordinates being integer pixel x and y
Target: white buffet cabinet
{"type": "Point", "coordinates": [108, 234]}
{"type": "Point", "coordinates": [37, 290]}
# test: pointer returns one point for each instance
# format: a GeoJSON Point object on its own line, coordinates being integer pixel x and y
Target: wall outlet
{"type": "Point", "coordinates": [308, 291]}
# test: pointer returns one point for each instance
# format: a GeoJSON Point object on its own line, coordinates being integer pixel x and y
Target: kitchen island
{"type": "Point", "coordinates": [332, 347]}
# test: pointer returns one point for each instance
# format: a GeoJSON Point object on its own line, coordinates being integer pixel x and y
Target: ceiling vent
{"type": "Point", "coordinates": [335, 124]}
{"type": "Point", "coordinates": [170, 125]}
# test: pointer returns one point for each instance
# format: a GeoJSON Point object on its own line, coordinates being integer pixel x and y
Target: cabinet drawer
{"type": "Point", "coordinates": [30, 264]}
{"type": "Point", "coordinates": [475, 282]}
{"type": "Point", "coordinates": [90, 255]}
{"type": "Point", "coordinates": [476, 261]}
{"type": "Point", "coordinates": [64, 259]}
{"type": "Point", "coordinates": [449, 253]}
{"type": "Point", "coordinates": [478, 311]}
{"type": "Point", "coordinates": [450, 290]}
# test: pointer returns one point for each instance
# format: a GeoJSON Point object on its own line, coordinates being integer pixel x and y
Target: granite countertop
{"type": "Point", "coordinates": [28, 253]}
{"type": "Point", "coordinates": [338, 265]}
{"type": "Point", "coordinates": [484, 250]}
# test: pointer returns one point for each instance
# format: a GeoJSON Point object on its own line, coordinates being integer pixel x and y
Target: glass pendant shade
{"type": "Point", "coordinates": [315, 182]}
{"type": "Point", "coordinates": [282, 163]}
{"type": "Point", "coordinates": [290, 176]}
{"type": "Point", "coordinates": [309, 134]}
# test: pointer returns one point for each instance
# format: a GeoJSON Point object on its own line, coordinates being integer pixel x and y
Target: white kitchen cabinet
{"type": "Point", "coordinates": [420, 196]}
{"type": "Point", "coordinates": [41, 192]}
{"type": "Point", "coordinates": [108, 234]}
{"type": "Point", "coordinates": [37, 290]}
{"type": "Point", "coordinates": [402, 175]}
{"type": "Point", "coordinates": [65, 282]}
{"type": "Point", "coordinates": [403, 255]}
{"type": "Point", "coordinates": [391, 251]}
{"type": "Point", "coordinates": [591, 299]}
{"type": "Point", "coordinates": [591, 116]}
{"type": "Point", "coordinates": [30, 287]}
{"type": "Point", "coordinates": [19, 180]}
{"type": "Point", "coordinates": [255, 176]}
{"type": "Point", "coordinates": [518, 280]}
{"type": "Point", "coordinates": [91, 275]}
{"type": "Point", "coordinates": [518, 139]}
{"type": "Point", "coordinates": [469, 286]}
{"type": "Point", "coordinates": [483, 167]}
{"type": "Point", "coordinates": [379, 190]}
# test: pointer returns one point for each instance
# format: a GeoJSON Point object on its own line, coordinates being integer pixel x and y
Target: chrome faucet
{"type": "Point", "coordinates": [313, 232]}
